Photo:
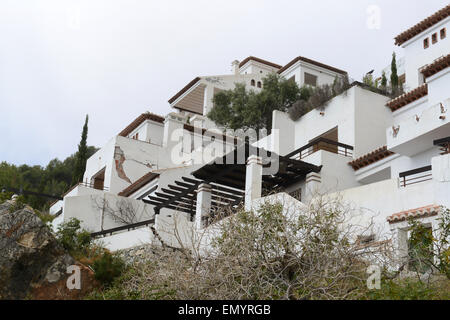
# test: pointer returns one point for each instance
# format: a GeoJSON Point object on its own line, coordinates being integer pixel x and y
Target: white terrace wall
{"type": "Point", "coordinates": [127, 239]}
{"type": "Point", "coordinates": [385, 198]}
{"type": "Point", "coordinates": [360, 115]}
{"type": "Point", "coordinates": [94, 210]}
{"type": "Point", "coordinates": [335, 175]}
{"type": "Point", "coordinates": [372, 117]}
{"type": "Point", "coordinates": [339, 112]}
{"type": "Point", "coordinates": [439, 87]}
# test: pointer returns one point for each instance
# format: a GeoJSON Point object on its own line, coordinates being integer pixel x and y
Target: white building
{"type": "Point", "coordinates": [390, 157]}
{"type": "Point", "coordinates": [196, 98]}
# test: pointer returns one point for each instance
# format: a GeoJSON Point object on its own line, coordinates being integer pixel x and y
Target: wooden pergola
{"type": "Point", "coordinates": [226, 176]}
{"type": "Point", "coordinates": [444, 145]}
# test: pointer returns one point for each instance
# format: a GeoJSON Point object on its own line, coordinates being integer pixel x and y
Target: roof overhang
{"type": "Point", "coordinates": [301, 59]}
{"type": "Point", "coordinates": [423, 25]}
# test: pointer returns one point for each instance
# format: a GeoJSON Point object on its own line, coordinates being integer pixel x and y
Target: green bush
{"type": "Point", "coordinates": [410, 289]}
{"type": "Point", "coordinates": [72, 238]}
{"type": "Point", "coordinates": [107, 268]}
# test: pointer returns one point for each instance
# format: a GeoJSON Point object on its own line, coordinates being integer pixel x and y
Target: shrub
{"type": "Point", "coordinates": [410, 289]}
{"type": "Point", "coordinates": [72, 238]}
{"type": "Point", "coordinates": [107, 268]}
{"type": "Point", "coordinates": [318, 97]}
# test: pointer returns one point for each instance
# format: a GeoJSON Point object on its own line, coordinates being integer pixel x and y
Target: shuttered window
{"type": "Point", "coordinates": [310, 79]}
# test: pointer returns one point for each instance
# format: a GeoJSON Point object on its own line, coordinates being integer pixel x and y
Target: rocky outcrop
{"type": "Point", "coordinates": [32, 262]}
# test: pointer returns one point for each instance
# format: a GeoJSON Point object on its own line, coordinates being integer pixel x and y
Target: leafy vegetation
{"type": "Point", "coordinates": [394, 75]}
{"type": "Point", "coordinates": [78, 242]}
{"type": "Point", "coordinates": [72, 238]}
{"type": "Point", "coordinates": [242, 109]}
{"type": "Point", "coordinates": [81, 156]}
{"type": "Point", "coordinates": [318, 97]}
{"type": "Point", "coordinates": [54, 179]}
{"type": "Point", "coordinates": [107, 268]}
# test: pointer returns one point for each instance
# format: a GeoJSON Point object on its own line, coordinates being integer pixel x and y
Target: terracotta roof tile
{"type": "Point", "coordinates": [370, 158]}
{"type": "Point", "coordinates": [437, 65]}
{"type": "Point", "coordinates": [408, 97]}
{"type": "Point", "coordinates": [423, 25]}
{"type": "Point", "coordinates": [422, 212]}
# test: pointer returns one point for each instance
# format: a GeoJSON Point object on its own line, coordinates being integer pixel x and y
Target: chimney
{"type": "Point", "coordinates": [235, 67]}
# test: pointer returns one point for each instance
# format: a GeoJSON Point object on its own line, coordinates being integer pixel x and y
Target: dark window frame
{"type": "Point", "coordinates": [311, 76]}
{"type": "Point", "coordinates": [434, 38]}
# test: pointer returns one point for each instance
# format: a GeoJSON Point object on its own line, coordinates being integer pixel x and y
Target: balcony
{"type": "Point", "coordinates": [415, 176]}
{"type": "Point", "coordinates": [321, 144]}
{"type": "Point", "coordinates": [416, 133]}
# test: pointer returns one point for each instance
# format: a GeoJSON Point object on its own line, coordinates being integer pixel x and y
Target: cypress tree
{"type": "Point", "coordinates": [81, 156]}
{"type": "Point", "coordinates": [394, 75]}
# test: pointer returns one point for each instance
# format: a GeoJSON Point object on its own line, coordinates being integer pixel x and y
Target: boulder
{"type": "Point", "coordinates": [33, 264]}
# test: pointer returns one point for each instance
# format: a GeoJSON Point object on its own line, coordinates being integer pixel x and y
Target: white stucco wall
{"type": "Point", "coordinates": [127, 239]}
{"type": "Point", "coordinates": [339, 112]}
{"type": "Point", "coordinates": [92, 210]}
{"type": "Point", "coordinates": [372, 117]}
{"type": "Point", "coordinates": [416, 56]}
{"type": "Point", "coordinates": [149, 131]}
{"type": "Point", "coordinates": [439, 87]}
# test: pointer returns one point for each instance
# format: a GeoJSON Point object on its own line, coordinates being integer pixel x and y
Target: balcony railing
{"type": "Point", "coordinates": [322, 144]}
{"type": "Point", "coordinates": [415, 176]}
{"type": "Point", "coordinates": [93, 186]}
{"type": "Point", "coordinates": [127, 227]}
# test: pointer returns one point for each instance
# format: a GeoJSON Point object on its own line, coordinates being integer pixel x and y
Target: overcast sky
{"type": "Point", "coordinates": [111, 59]}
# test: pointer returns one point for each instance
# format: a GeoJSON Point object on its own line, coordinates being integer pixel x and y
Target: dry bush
{"type": "Point", "coordinates": [319, 97]}
{"type": "Point", "coordinates": [276, 252]}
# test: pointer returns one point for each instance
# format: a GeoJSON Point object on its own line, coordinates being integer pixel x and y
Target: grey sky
{"type": "Point", "coordinates": [116, 59]}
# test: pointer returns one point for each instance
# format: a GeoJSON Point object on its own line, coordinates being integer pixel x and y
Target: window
{"type": "Point", "coordinates": [434, 38]}
{"type": "Point", "coordinates": [252, 83]}
{"type": "Point", "coordinates": [310, 79]}
{"type": "Point", "coordinates": [98, 179]}
{"type": "Point", "coordinates": [136, 136]}
{"type": "Point", "coordinates": [443, 33]}
{"type": "Point", "coordinates": [292, 78]}
{"type": "Point", "coordinates": [258, 84]}
{"type": "Point", "coordinates": [426, 43]}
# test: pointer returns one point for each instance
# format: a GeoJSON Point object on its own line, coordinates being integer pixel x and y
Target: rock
{"type": "Point", "coordinates": [32, 262]}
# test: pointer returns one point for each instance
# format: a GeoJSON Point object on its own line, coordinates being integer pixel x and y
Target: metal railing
{"type": "Point", "coordinates": [127, 227]}
{"type": "Point", "coordinates": [415, 176]}
{"type": "Point", "coordinates": [92, 186]}
{"type": "Point", "coordinates": [322, 144]}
